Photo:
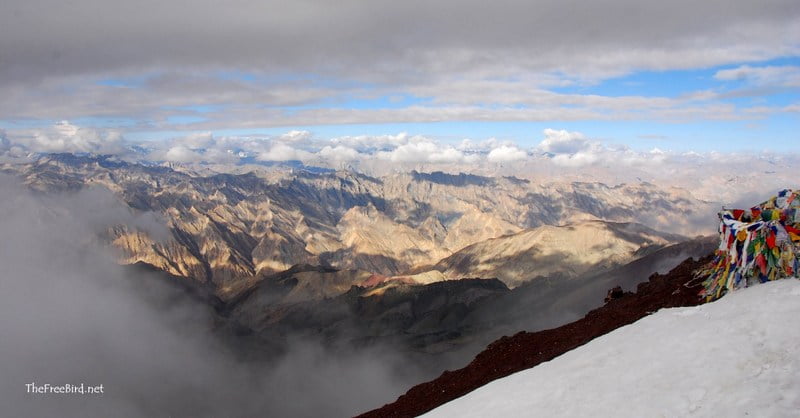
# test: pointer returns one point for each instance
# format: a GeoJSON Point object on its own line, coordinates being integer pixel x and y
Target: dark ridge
{"type": "Point", "coordinates": [186, 239]}
{"type": "Point", "coordinates": [459, 180]}
{"type": "Point", "coordinates": [295, 165]}
{"type": "Point", "coordinates": [103, 160]}
{"type": "Point", "coordinates": [362, 176]}
{"type": "Point", "coordinates": [273, 278]}
{"type": "Point", "coordinates": [516, 180]}
{"type": "Point", "coordinates": [71, 159]}
{"type": "Point", "coordinates": [79, 159]}
{"type": "Point", "coordinates": [312, 169]}
{"type": "Point", "coordinates": [525, 350]}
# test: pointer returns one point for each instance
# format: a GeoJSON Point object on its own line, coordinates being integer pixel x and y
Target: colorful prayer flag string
{"type": "Point", "coordinates": [756, 245]}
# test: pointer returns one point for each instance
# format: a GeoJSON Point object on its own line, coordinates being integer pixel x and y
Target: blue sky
{"type": "Point", "coordinates": [774, 131]}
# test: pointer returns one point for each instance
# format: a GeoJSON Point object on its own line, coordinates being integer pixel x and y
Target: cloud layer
{"type": "Point", "coordinates": [201, 65]}
{"type": "Point", "coordinates": [360, 38]}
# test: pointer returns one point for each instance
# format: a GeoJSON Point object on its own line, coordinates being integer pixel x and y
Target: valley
{"type": "Point", "coordinates": [434, 265]}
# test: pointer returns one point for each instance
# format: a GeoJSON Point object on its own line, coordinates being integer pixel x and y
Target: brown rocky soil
{"type": "Point", "coordinates": [525, 349]}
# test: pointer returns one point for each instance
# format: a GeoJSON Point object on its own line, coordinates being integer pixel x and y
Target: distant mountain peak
{"type": "Point", "coordinates": [231, 229]}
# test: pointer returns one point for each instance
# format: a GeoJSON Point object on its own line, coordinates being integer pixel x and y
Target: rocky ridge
{"type": "Point", "coordinates": [570, 250]}
{"type": "Point", "coordinates": [230, 231]}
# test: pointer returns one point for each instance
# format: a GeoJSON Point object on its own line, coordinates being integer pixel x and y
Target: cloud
{"type": "Point", "coordinates": [9, 150]}
{"type": "Point", "coordinates": [294, 136]}
{"type": "Point", "coordinates": [339, 153]}
{"type": "Point", "coordinates": [486, 145]}
{"type": "Point", "coordinates": [413, 40]}
{"type": "Point", "coordinates": [196, 140]}
{"type": "Point", "coordinates": [563, 142]}
{"type": "Point", "coordinates": [204, 147]}
{"type": "Point", "coordinates": [49, 102]}
{"type": "Point", "coordinates": [182, 154]}
{"type": "Point", "coordinates": [657, 155]}
{"type": "Point", "coordinates": [231, 67]}
{"type": "Point", "coordinates": [221, 156]}
{"type": "Point", "coordinates": [425, 152]}
{"type": "Point", "coordinates": [574, 150]}
{"type": "Point", "coordinates": [785, 76]}
{"type": "Point", "coordinates": [373, 143]}
{"type": "Point", "coordinates": [195, 148]}
{"type": "Point", "coordinates": [70, 315]}
{"type": "Point", "coordinates": [284, 152]}
{"type": "Point", "coordinates": [578, 159]}
{"type": "Point", "coordinates": [505, 153]}
{"type": "Point", "coordinates": [67, 137]}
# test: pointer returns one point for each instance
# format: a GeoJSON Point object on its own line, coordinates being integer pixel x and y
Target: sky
{"type": "Point", "coordinates": [644, 77]}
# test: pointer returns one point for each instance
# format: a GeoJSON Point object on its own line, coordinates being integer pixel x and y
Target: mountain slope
{"type": "Point", "coordinates": [454, 318]}
{"type": "Point", "coordinates": [553, 301]}
{"type": "Point", "coordinates": [569, 251]}
{"type": "Point", "coordinates": [421, 321]}
{"type": "Point", "coordinates": [732, 357]}
{"type": "Point", "coordinates": [525, 349]}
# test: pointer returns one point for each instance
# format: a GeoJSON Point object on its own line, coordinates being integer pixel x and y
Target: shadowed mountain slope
{"type": "Point", "coordinates": [568, 251]}
{"type": "Point", "coordinates": [525, 350]}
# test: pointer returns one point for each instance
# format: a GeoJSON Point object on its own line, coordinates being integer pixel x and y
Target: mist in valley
{"type": "Point", "coordinates": [70, 315]}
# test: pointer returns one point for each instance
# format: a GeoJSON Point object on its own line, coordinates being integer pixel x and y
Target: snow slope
{"type": "Point", "coordinates": [739, 356]}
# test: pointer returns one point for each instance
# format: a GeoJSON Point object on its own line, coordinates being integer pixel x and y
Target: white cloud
{"type": "Point", "coordinates": [563, 142]}
{"type": "Point", "coordinates": [197, 140]}
{"type": "Point", "coordinates": [284, 152]}
{"type": "Point", "coordinates": [196, 148]}
{"type": "Point", "coordinates": [657, 155]}
{"type": "Point", "coordinates": [253, 145]}
{"type": "Point", "coordinates": [578, 159]}
{"type": "Point", "coordinates": [468, 145]}
{"type": "Point", "coordinates": [294, 136]}
{"type": "Point", "coordinates": [339, 153]}
{"type": "Point", "coordinates": [425, 152]}
{"type": "Point", "coordinates": [368, 143]}
{"type": "Point", "coordinates": [179, 154]}
{"type": "Point", "coordinates": [505, 153]}
{"type": "Point", "coordinates": [573, 149]}
{"type": "Point", "coordinates": [66, 137]}
{"type": "Point", "coordinates": [220, 156]}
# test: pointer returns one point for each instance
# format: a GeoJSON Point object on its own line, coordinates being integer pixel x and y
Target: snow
{"type": "Point", "coordinates": [736, 357]}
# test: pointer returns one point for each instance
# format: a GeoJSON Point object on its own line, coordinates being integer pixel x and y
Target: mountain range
{"type": "Point", "coordinates": [433, 265]}
{"type": "Point", "coordinates": [230, 231]}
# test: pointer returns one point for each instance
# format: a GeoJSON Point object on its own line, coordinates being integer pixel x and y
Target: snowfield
{"type": "Point", "coordinates": [736, 357]}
